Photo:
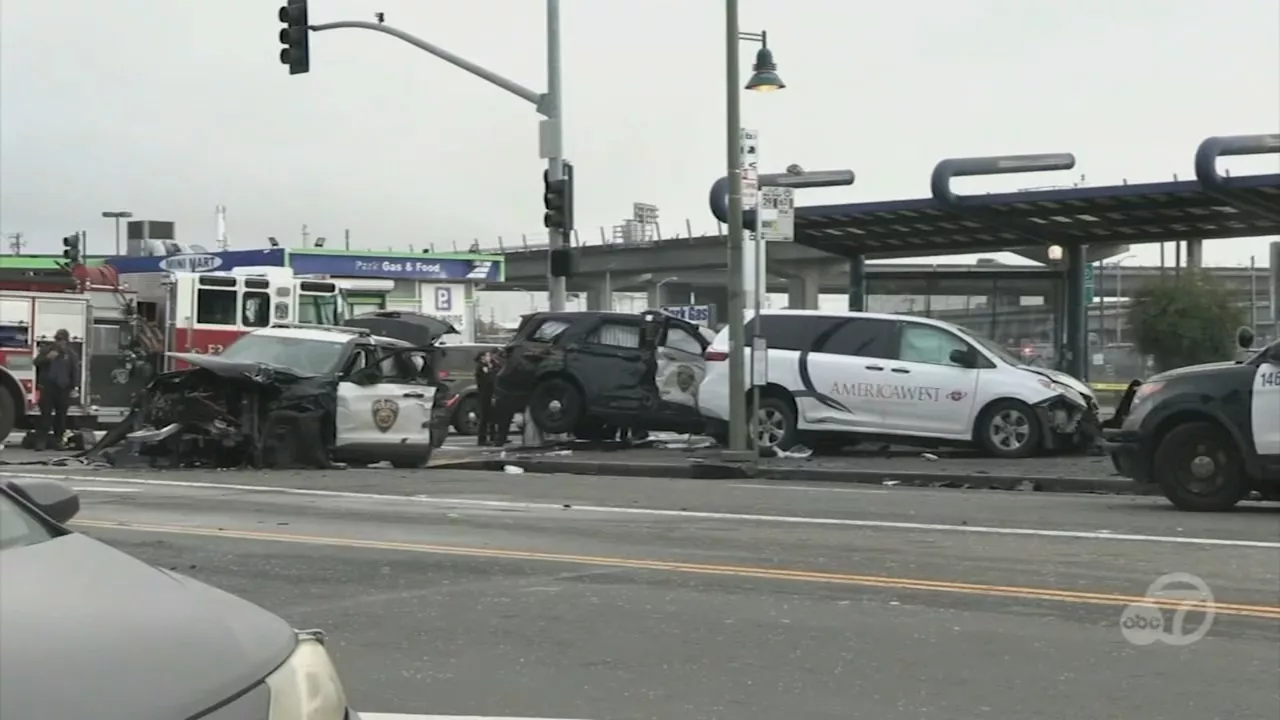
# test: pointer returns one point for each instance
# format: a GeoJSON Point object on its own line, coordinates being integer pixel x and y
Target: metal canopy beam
{"type": "Point", "coordinates": [1210, 207]}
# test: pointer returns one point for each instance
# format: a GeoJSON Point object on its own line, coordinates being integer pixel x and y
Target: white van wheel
{"type": "Point", "coordinates": [1009, 429]}
{"type": "Point", "coordinates": [773, 424]}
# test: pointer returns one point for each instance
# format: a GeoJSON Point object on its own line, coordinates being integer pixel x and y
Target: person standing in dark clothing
{"type": "Point", "coordinates": [57, 379]}
{"type": "Point", "coordinates": [487, 368]}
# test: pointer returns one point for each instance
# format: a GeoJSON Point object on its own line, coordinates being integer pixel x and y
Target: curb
{"type": "Point", "coordinates": [730, 471]}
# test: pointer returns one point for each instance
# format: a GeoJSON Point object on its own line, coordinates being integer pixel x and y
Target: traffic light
{"type": "Point", "coordinates": [296, 52]}
{"type": "Point", "coordinates": [557, 198]}
{"type": "Point", "coordinates": [561, 262]}
{"type": "Point", "coordinates": [71, 249]}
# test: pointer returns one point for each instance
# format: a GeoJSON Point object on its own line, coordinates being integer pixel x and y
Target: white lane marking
{"type": "Point", "coordinates": [868, 491]}
{"type": "Point", "coordinates": [107, 489]}
{"type": "Point", "coordinates": [702, 515]}
{"type": "Point", "coordinates": [402, 716]}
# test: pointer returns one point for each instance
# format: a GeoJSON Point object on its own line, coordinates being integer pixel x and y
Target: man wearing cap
{"type": "Point", "coordinates": [57, 379]}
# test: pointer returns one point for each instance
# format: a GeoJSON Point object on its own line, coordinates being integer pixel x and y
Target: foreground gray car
{"type": "Point", "coordinates": [90, 632]}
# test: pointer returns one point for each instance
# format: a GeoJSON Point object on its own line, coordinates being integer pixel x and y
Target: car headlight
{"type": "Point", "coordinates": [306, 686]}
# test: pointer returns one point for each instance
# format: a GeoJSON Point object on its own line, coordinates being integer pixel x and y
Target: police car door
{"type": "Point", "coordinates": [1265, 410]}
{"type": "Point", "coordinates": [400, 404]}
{"type": "Point", "coordinates": [354, 422]}
{"type": "Point", "coordinates": [681, 365]}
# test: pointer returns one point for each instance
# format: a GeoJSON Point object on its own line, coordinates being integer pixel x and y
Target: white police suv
{"type": "Point", "coordinates": [1207, 435]}
{"type": "Point", "coordinates": [841, 377]}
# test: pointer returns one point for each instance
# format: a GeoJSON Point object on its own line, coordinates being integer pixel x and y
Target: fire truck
{"type": "Point", "coordinates": [123, 326]}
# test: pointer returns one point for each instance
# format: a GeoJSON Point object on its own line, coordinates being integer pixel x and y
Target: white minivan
{"type": "Point", "coordinates": [833, 376]}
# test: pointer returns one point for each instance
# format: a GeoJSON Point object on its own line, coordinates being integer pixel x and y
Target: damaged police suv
{"type": "Point", "coordinates": [1207, 435]}
{"type": "Point", "coordinates": [843, 377]}
{"type": "Point", "coordinates": [293, 396]}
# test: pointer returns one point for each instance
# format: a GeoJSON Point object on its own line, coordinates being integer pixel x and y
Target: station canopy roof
{"type": "Point", "coordinates": [1208, 207]}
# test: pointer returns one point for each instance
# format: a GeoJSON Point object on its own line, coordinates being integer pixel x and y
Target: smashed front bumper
{"type": "Point", "coordinates": [1124, 447]}
{"type": "Point", "coordinates": [1069, 421]}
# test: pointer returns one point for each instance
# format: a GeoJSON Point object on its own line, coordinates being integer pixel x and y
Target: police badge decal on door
{"type": "Point", "coordinates": [385, 412]}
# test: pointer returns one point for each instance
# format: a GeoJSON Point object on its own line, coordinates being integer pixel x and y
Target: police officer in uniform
{"type": "Point", "coordinates": [487, 368]}
{"type": "Point", "coordinates": [57, 378]}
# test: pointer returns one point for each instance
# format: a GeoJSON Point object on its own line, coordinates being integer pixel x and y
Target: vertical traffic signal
{"type": "Point", "coordinates": [71, 249]}
{"type": "Point", "coordinates": [296, 52]}
{"type": "Point", "coordinates": [557, 198]}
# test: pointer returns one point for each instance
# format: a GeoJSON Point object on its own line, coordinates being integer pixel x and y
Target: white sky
{"type": "Point", "coordinates": [168, 108]}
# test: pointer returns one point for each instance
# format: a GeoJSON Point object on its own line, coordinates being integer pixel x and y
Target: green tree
{"type": "Point", "coordinates": [1184, 319]}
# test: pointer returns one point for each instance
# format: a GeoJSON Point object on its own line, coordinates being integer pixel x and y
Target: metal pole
{"type": "Point", "coordinates": [117, 218]}
{"type": "Point", "coordinates": [1119, 295]}
{"type": "Point", "coordinates": [1253, 293]}
{"type": "Point", "coordinates": [737, 332]}
{"type": "Point", "coordinates": [757, 292]}
{"type": "Point", "coordinates": [553, 149]}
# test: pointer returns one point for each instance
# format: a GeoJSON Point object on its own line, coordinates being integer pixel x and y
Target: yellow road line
{"type": "Point", "coordinates": [1007, 591]}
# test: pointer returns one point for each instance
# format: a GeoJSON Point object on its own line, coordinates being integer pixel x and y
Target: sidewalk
{"type": "Point", "coordinates": [1075, 473]}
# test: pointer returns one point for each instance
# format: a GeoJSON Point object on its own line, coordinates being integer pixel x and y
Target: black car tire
{"type": "Point", "coordinates": [555, 390]}
{"type": "Point", "coordinates": [8, 414]}
{"type": "Point", "coordinates": [466, 419]}
{"type": "Point", "coordinates": [412, 463]}
{"type": "Point", "coordinates": [1172, 468]}
{"type": "Point", "coordinates": [1018, 418]}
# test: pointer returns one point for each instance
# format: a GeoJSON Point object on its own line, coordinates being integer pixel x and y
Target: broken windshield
{"type": "Point", "coordinates": [304, 355]}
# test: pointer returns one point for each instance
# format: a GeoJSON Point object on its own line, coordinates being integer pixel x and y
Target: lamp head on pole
{"type": "Point", "coordinates": [1054, 252]}
{"type": "Point", "coordinates": [764, 77]}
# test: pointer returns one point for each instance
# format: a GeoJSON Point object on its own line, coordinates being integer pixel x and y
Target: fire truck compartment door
{"type": "Point", "coordinates": [54, 315]}
{"type": "Point", "coordinates": [386, 413]}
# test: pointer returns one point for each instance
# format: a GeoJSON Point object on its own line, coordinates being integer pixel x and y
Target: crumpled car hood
{"type": "Point", "coordinates": [1061, 378]}
{"type": "Point", "coordinates": [227, 368]}
{"type": "Point", "coordinates": [90, 632]}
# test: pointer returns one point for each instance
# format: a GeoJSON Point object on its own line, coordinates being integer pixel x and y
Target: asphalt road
{"type": "Point", "coordinates": [493, 594]}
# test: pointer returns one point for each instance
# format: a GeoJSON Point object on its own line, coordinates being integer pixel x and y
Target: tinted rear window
{"type": "Point", "coordinates": [792, 332]}
{"type": "Point", "coordinates": [862, 337]}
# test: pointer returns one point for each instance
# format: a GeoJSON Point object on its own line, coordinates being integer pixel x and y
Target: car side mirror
{"type": "Point", "coordinates": [55, 499]}
{"type": "Point", "coordinates": [1245, 337]}
{"type": "Point", "coordinates": [964, 358]}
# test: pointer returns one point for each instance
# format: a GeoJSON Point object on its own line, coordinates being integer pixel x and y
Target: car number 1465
{"type": "Point", "coordinates": [1269, 379]}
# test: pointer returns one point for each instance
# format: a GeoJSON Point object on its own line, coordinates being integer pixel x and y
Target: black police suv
{"type": "Point", "coordinates": [1208, 435]}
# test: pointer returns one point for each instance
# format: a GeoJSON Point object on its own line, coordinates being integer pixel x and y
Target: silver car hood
{"type": "Point", "coordinates": [91, 632]}
{"type": "Point", "coordinates": [1062, 379]}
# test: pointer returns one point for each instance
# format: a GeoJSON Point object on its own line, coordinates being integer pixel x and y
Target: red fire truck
{"type": "Point", "coordinates": [122, 326]}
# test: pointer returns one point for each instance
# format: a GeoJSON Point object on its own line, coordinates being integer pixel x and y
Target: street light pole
{"type": "Point", "coordinates": [548, 104]}
{"type": "Point", "coordinates": [117, 216]}
{"type": "Point", "coordinates": [733, 158]}
{"type": "Point", "coordinates": [551, 139]}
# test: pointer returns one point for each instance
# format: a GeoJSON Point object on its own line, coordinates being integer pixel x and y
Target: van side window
{"type": "Point", "coordinates": [859, 337]}
{"type": "Point", "coordinates": [792, 332]}
{"type": "Point", "coordinates": [928, 344]}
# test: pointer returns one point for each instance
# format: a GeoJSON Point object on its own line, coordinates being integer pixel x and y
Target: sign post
{"type": "Point", "coordinates": [749, 166]}
{"type": "Point", "coordinates": [1088, 285]}
{"type": "Point", "coordinates": [777, 214]}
